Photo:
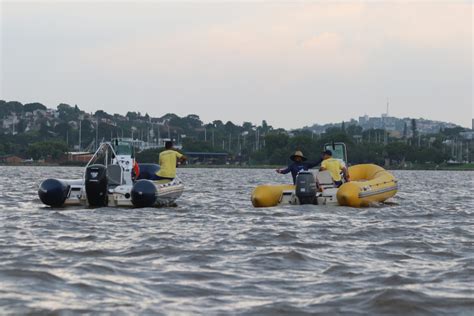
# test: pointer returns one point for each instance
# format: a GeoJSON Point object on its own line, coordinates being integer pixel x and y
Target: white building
{"type": "Point", "coordinates": [467, 135]}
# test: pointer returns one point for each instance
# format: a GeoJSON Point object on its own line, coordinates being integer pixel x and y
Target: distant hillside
{"type": "Point", "coordinates": [80, 130]}
{"type": "Point", "coordinates": [34, 131]}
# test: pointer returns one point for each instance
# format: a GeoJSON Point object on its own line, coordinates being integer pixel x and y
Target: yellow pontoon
{"type": "Point", "coordinates": [369, 183]}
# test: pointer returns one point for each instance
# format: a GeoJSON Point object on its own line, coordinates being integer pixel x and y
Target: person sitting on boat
{"type": "Point", "coordinates": [168, 162]}
{"type": "Point", "coordinates": [334, 166]}
{"type": "Point", "coordinates": [300, 163]}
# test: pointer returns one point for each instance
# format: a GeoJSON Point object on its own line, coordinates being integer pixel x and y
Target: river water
{"type": "Point", "coordinates": [216, 254]}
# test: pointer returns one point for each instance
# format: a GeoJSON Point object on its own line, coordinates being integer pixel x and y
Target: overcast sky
{"type": "Point", "coordinates": [291, 63]}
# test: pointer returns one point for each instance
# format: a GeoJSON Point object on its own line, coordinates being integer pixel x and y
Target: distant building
{"type": "Point", "coordinates": [358, 138]}
{"type": "Point", "coordinates": [9, 121]}
{"type": "Point", "coordinates": [395, 134]}
{"type": "Point", "coordinates": [10, 159]}
{"type": "Point", "coordinates": [363, 119]}
{"type": "Point", "coordinates": [52, 113]}
{"type": "Point", "coordinates": [207, 158]}
{"type": "Point", "coordinates": [80, 156]}
{"type": "Point", "coordinates": [469, 135]}
{"type": "Point", "coordinates": [390, 124]}
{"type": "Point", "coordinates": [159, 121]}
{"type": "Point", "coordinates": [143, 145]}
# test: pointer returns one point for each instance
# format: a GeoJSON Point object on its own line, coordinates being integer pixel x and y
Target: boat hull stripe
{"type": "Point", "coordinates": [375, 192]}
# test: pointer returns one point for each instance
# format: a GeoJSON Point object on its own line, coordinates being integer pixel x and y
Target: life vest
{"type": "Point", "coordinates": [136, 169]}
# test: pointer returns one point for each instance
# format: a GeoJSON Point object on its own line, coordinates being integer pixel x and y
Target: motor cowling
{"type": "Point", "coordinates": [143, 193]}
{"type": "Point", "coordinates": [306, 187]}
{"type": "Point", "coordinates": [53, 192]}
{"type": "Point", "coordinates": [96, 185]}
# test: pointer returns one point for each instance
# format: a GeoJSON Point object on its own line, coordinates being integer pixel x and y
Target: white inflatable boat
{"type": "Point", "coordinates": [115, 182]}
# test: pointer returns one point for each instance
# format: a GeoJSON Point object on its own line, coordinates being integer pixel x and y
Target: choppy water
{"type": "Point", "coordinates": [215, 254]}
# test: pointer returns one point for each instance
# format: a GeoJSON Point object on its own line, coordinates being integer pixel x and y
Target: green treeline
{"type": "Point", "coordinates": [34, 131]}
{"type": "Point", "coordinates": [371, 147]}
{"type": "Point", "coordinates": [274, 146]}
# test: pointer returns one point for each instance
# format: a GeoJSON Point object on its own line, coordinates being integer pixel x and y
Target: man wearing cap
{"type": "Point", "coordinates": [334, 166]}
{"type": "Point", "coordinates": [300, 163]}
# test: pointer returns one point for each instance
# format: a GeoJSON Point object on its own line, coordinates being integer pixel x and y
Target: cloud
{"type": "Point", "coordinates": [247, 59]}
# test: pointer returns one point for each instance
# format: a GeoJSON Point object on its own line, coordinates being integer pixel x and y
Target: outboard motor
{"type": "Point", "coordinates": [148, 171]}
{"type": "Point", "coordinates": [96, 185]}
{"type": "Point", "coordinates": [143, 193]}
{"type": "Point", "coordinates": [306, 187]}
{"type": "Point", "coordinates": [53, 192]}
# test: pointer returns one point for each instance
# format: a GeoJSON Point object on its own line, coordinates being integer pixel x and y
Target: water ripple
{"type": "Point", "coordinates": [215, 254]}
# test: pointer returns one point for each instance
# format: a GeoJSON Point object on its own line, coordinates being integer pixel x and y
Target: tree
{"type": "Point", "coordinates": [247, 126]}
{"type": "Point", "coordinates": [265, 127]}
{"type": "Point", "coordinates": [230, 127]}
{"type": "Point", "coordinates": [132, 116]}
{"type": "Point", "coordinates": [169, 116]}
{"type": "Point", "coordinates": [276, 140]}
{"type": "Point", "coordinates": [304, 143]}
{"type": "Point", "coordinates": [218, 123]}
{"type": "Point", "coordinates": [46, 149]}
{"type": "Point", "coordinates": [149, 155]}
{"type": "Point", "coordinates": [452, 132]}
{"type": "Point", "coordinates": [3, 109]}
{"type": "Point", "coordinates": [335, 134]}
{"type": "Point", "coordinates": [397, 151]}
{"type": "Point", "coordinates": [414, 131]}
{"type": "Point", "coordinates": [278, 157]}
{"type": "Point", "coordinates": [14, 107]}
{"type": "Point", "coordinates": [30, 107]}
{"type": "Point", "coordinates": [68, 113]}
{"type": "Point", "coordinates": [190, 144]}
{"type": "Point", "coordinates": [102, 114]}
{"type": "Point", "coordinates": [62, 129]}
{"type": "Point", "coordinates": [21, 126]}
{"type": "Point", "coordinates": [63, 107]}
{"type": "Point", "coordinates": [354, 130]}
{"type": "Point", "coordinates": [8, 108]}
{"type": "Point", "coordinates": [192, 121]}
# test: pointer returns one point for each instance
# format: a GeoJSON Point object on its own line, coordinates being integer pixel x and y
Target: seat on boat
{"type": "Point", "coordinates": [324, 180]}
{"type": "Point", "coordinates": [114, 175]}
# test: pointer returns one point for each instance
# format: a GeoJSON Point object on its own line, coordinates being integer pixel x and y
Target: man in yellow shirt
{"type": "Point", "coordinates": [334, 166]}
{"type": "Point", "coordinates": [168, 161]}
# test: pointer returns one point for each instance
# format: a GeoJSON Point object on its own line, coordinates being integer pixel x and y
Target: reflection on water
{"type": "Point", "coordinates": [214, 253]}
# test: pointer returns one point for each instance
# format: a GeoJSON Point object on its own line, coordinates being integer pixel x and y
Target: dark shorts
{"type": "Point", "coordinates": [337, 183]}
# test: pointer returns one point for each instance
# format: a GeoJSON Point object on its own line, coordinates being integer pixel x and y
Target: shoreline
{"type": "Point", "coordinates": [462, 167]}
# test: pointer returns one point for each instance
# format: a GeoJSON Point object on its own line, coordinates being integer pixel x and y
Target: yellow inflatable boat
{"type": "Point", "coordinates": [369, 183]}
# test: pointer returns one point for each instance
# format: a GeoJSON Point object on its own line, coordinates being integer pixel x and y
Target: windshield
{"type": "Point", "coordinates": [338, 151]}
{"type": "Point", "coordinates": [123, 149]}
